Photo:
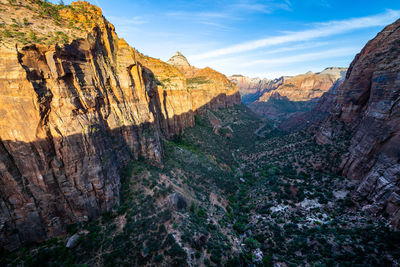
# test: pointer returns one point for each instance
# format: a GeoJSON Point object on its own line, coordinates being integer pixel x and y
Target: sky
{"type": "Point", "coordinates": [255, 38]}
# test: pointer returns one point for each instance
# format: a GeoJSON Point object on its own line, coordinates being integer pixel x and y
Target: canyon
{"type": "Point", "coordinates": [71, 115]}
{"type": "Point", "coordinates": [281, 99]}
{"type": "Point", "coordinates": [109, 157]}
{"type": "Point", "coordinates": [251, 89]}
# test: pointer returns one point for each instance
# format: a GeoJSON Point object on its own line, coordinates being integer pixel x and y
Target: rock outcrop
{"type": "Point", "coordinates": [179, 60]}
{"type": "Point", "coordinates": [296, 94]}
{"type": "Point", "coordinates": [368, 106]}
{"type": "Point", "coordinates": [251, 89]}
{"type": "Point", "coordinates": [72, 111]}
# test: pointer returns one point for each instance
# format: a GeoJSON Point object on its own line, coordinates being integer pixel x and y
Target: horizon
{"type": "Point", "coordinates": [263, 39]}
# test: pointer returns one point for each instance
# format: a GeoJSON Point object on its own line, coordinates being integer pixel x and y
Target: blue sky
{"type": "Point", "coordinates": [268, 38]}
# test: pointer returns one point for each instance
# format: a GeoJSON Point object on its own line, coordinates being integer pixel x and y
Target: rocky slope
{"type": "Point", "coordinates": [297, 94]}
{"type": "Point", "coordinates": [368, 107]}
{"type": "Point", "coordinates": [76, 102]}
{"type": "Point", "coordinates": [251, 89]}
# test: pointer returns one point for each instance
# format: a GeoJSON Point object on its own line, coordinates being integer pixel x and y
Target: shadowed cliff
{"type": "Point", "coordinates": [73, 113]}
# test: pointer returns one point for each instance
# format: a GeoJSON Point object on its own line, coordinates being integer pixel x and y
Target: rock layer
{"type": "Point", "coordinates": [296, 94]}
{"type": "Point", "coordinates": [315, 116]}
{"type": "Point", "coordinates": [71, 114]}
{"type": "Point", "coordinates": [368, 106]}
{"type": "Point", "coordinates": [251, 89]}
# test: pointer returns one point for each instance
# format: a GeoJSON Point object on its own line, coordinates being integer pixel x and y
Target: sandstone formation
{"type": "Point", "coordinates": [251, 89]}
{"type": "Point", "coordinates": [316, 115]}
{"type": "Point", "coordinates": [73, 109]}
{"type": "Point", "coordinates": [296, 94]}
{"type": "Point", "coordinates": [368, 105]}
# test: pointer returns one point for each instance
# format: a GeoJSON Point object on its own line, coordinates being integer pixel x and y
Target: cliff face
{"type": "Point", "coordinates": [207, 87]}
{"type": "Point", "coordinates": [316, 115]}
{"type": "Point", "coordinates": [72, 113]}
{"type": "Point", "coordinates": [251, 89]}
{"type": "Point", "coordinates": [296, 94]}
{"type": "Point", "coordinates": [368, 106]}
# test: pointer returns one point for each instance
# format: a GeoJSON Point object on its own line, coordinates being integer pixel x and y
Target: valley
{"type": "Point", "coordinates": [231, 199]}
{"type": "Point", "coordinates": [110, 157]}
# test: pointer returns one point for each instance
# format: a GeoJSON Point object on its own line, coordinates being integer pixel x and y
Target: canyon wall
{"type": "Point", "coordinates": [251, 89]}
{"type": "Point", "coordinates": [368, 107]}
{"type": "Point", "coordinates": [72, 113]}
{"type": "Point", "coordinates": [296, 95]}
{"type": "Point", "coordinates": [316, 115]}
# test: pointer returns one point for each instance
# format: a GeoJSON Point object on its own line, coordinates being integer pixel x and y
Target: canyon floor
{"type": "Point", "coordinates": [226, 196]}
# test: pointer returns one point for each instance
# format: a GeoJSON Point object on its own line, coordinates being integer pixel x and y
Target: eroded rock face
{"type": "Point", "coordinates": [296, 94]}
{"type": "Point", "coordinates": [368, 105]}
{"type": "Point", "coordinates": [251, 89]}
{"type": "Point", "coordinates": [71, 115]}
{"type": "Point", "coordinates": [207, 87]}
{"type": "Point", "coordinates": [315, 116]}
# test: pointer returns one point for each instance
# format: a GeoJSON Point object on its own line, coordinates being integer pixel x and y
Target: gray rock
{"type": "Point", "coordinates": [72, 241]}
{"type": "Point", "coordinates": [177, 201]}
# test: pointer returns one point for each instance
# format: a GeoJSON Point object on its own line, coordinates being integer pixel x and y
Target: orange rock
{"type": "Point", "coordinates": [72, 114]}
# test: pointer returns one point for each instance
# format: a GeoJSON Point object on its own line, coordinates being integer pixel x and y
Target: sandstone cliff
{"type": "Point", "coordinates": [368, 106]}
{"type": "Point", "coordinates": [251, 89]}
{"type": "Point", "coordinates": [296, 94]}
{"type": "Point", "coordinates": [316, 115]}
{"type": "Point", "coordinates": [76, 102]}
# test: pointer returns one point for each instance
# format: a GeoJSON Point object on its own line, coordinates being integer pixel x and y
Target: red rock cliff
{"type": "Point", "coordinates": [73, 109]}
{"type": "Point", "coordinates": [368, 104]}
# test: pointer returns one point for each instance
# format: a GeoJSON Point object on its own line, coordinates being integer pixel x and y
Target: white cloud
{"type": "Point", "coordinates": [324, 29]}
{"type": "Point", "coordinates": [266, 8]}
{"type": "Point", "coordinates": [202, 15]}
{"type": "Point", "coordinates": [308, 57]}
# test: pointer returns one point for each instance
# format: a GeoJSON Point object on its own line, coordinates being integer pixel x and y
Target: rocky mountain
{"type": "Point", "coordinates": [296, 94]}
{"type": "Point", "coordinates": [109, 157]}
{"type": "Point", "coordinates": [251, 89]}
{"type": "Point", "coordinates": [76, 103]}
{"type": "Point", "coordinates": [367, 111]}
{"type": "Point", "coordinates": [179, 60]}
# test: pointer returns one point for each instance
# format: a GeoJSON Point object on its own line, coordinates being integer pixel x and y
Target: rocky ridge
{"type": "Point", "coordinates": [368, 107]}
{"type": "Point", "coordinates": [296, 95]}
{"type": "Point", "coordinates": [74, 107]}
{"type": "Point", "coordinates": [251, 89]}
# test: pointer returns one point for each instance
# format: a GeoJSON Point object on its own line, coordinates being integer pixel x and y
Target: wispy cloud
{"type": "Point", "coordinates": [204, 15]}
{"type": "Point", "coordinates": [276, 53]}
{"type": "Point", "coordinates": [330, 53]}
{"type": "Point", "coordinates": [266, 7]}
{"type": "Point", "coordinates": [319, 30]}
{"type": "Point", "coordinates": [236, 10]}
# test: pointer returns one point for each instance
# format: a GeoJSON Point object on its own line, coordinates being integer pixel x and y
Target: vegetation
{"type": "Point", "coordinates": [279, 196]}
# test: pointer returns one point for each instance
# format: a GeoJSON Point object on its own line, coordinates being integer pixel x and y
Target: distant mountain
{"type": "Point", "coordinates": [296, 94]}
{"type": "Point", "coordinates": [251, 89]}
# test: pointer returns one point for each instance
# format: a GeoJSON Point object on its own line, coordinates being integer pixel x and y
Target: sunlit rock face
{"type": "Point", "coordinates": [71, 114]}
{"type": "Point", "coordinates": [368, 105]}
{"type": "Point", "coordinates": [251, 89]}
{"type": "Point", "coordinates": [296, 95]}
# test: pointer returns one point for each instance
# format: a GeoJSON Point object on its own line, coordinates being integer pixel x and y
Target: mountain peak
{"type": "Point", "coordinates": [178, 60]}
